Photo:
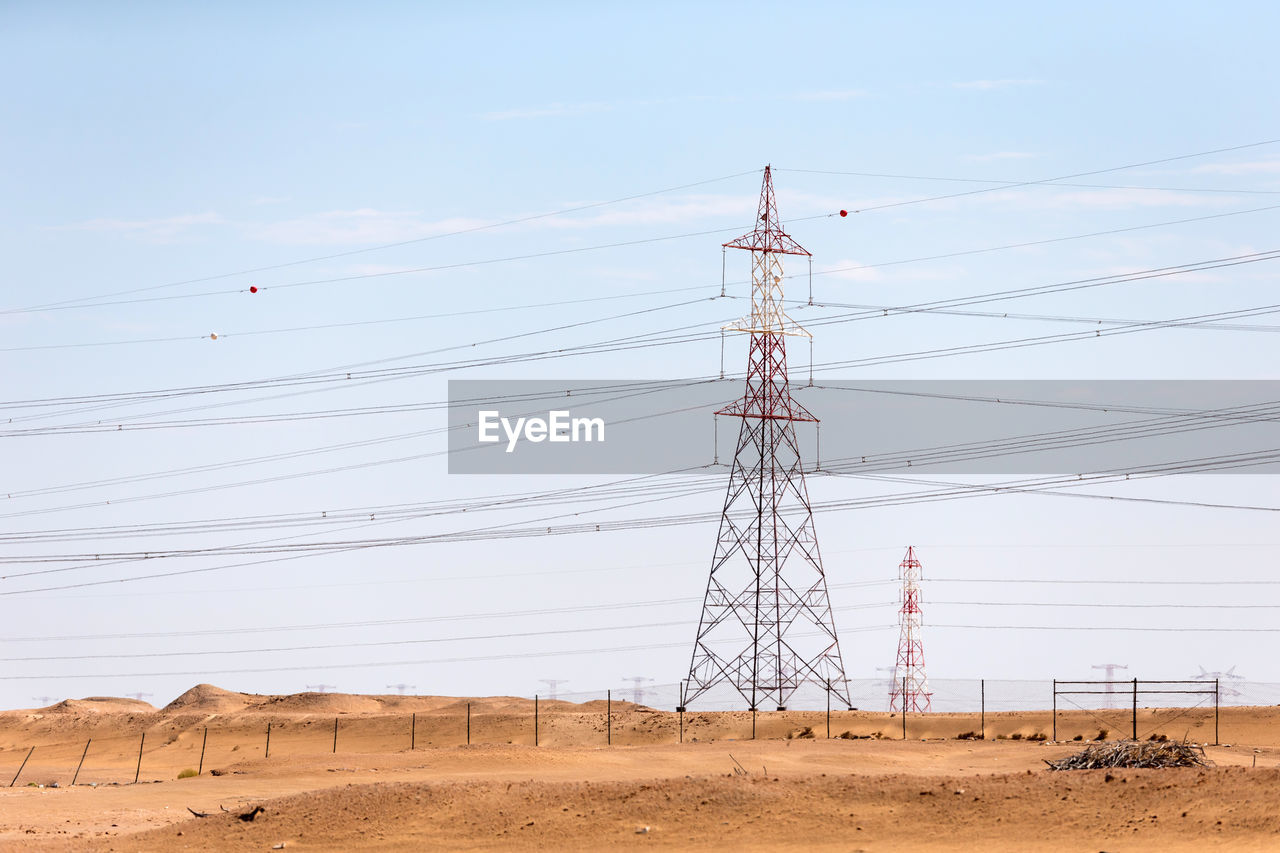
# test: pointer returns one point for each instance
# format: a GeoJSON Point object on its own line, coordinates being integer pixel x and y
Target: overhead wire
{"type": "Point", "coordinates": [666, 337]}
{"type": "Point", "coordinates": [383, 246]}
{"type": "Point", "coordinates": [85, 301]}
{"type": "Point", "coordinates": [1017, 184]}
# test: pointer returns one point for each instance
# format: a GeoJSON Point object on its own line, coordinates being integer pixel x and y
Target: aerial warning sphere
{"type": "Point", "coordinates": [213, 336]}
{"type": "Point", "coordinates": [253, 288]}
{"type": "Point", "coordinates": [844, 213]}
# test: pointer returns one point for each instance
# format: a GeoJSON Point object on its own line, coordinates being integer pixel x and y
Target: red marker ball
{"type": "Point", "coordinates": [253, 288]}
{"type": "Point", "coordinates": [844, 213]}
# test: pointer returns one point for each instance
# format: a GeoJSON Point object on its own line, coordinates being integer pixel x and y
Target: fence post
{"type": "Point", "coordinates": [983, 719]}
{"type": "Point", "coordinates": [267, 752]}
{"type": "Point", "coordinates": [608, 717]}
{"type": "Point", "coordinates": [468, 724]}
{"type": "Point", "coordinates": [413, 732]}
{"type": "Point", "coordinates": [138, 770]}
{"type": "Point", "coordinates": [680, 711]}
{"type": "Point", "coordinates": [81, 764]}
{"type": "Point", "coordinates": [904, 707]}
{"type": "Point", "coordinates": [1215, 711]}
{"type": "Point", "coordinates": [24, 764]}
{"type": "Point", "coordinates": [535, 719]}
{"type": "Point", "coordinates": [335, 735]}
{"type": "Point", "coordinates": [828, 709]}
{"type": "Point", "coordinates": [1055, 710]}
{"type": "Point", "coordinates": [1135, 709]}
{"type": "Point", "coordinates": [203, 744]}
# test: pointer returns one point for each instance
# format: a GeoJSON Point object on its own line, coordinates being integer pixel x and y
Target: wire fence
{"type": "Point", "coordinates": [113, 749]}
{"type": "Point", "coordinates": [948, 695]}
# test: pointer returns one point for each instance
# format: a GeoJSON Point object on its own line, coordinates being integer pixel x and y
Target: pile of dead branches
{"type": "Point", "coordinates": [1131, 753]}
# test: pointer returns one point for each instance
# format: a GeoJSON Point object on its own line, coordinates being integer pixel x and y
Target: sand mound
{"type": "Point", "coordinates": [205, 698]}
{"type": "Point", "coordinates": [99, 705]}
{"type": "Point", "coordinates": [318, 703]}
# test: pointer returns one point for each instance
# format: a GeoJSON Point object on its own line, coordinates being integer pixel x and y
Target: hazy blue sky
{"type": "Point", "coordinates": [151, 154]}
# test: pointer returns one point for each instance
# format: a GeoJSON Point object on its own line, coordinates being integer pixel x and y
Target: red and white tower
{"type": "Point", "coordinates": [910, 690]}
{"type": "Point", "coordinates": [767, 626]}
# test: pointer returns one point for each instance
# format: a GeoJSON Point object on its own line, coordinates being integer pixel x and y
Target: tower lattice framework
{"type": "Point", "coordinates": [767, 625]}
{"type": "Point", "coordinates": [910, 689]}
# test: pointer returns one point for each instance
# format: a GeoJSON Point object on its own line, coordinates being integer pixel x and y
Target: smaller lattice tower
{"type": "Point", "coordinates": [910, 690]}
{"type": "Point", "coordinates": [1111, 684]}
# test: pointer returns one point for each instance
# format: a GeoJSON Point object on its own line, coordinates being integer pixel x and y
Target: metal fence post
{"type": "Point", "coordinates": [828, 709]}
{"type": "Point", "coordinates": [1135, 709]}
{"type": "Point", "coordinates": [203, 743]}
{"type": "Point", "coordinates": [413, 732]}
{"type": "Point", "coordinates": [535, 719]}
{"type": "Point", "coordinates": [267, 752]}
{"type": "Point", "coordinates": [608, 717]}
{"type": "Point", "coordinates": [904, 707]}
{"type": "Point", "coordinates": [983, 700]}
{"type": "Point", "coordinates": [24, 764]}
{"type": "Point", "coordinates": [335, 735]}
{"type": "Point", "coordinates": [680, 711]}
{"type": "Point", "coordinates": [468, 724]}
{"type": "Point", "coordinates": [1055, 710]}
{"type": "Point", "coordinates": [138, 770]}
{"type": "Point", "coordinates": [81, 764]}
{"type": "Point", "coordinates": [1216, 694]}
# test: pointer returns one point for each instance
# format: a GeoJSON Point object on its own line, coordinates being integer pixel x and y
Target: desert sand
{"type": "Point", "coordinates": [400, 776]}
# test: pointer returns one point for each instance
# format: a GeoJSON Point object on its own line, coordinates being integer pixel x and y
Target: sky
{"type": "Point", "coordinates": [215, 214]}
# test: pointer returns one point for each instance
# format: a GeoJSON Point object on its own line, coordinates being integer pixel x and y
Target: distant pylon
{"type": "Point", "coordinates": [552, 684]}
{"type": "Point", "coordinates": [766, 573]}
{"type": "Point", "coordinates": [637, 690]}
{"type": "Point", "coordinates": [1111, 674]}
{"type": "Point", "coordinates": [910, 690]}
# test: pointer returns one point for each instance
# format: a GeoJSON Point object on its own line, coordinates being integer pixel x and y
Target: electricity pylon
{"type": "Point", "coordinates": [910, 690]}
{"type": "Point", "coordinates": [767, 626]}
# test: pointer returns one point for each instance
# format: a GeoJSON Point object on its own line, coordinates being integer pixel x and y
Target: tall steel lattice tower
{"type": "Point", "coordinates": [910, 690]}
{"type": "Point", "coordinates": [767, 626]}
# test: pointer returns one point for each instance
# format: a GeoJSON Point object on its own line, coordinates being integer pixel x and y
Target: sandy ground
{"type": "Point", "coordinates": [791, 788]}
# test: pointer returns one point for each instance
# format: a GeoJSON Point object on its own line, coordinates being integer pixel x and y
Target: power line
{"type": "Point", "coordinates": [1005, 183]}
{"type": "Point", "coordinates": [1070, 176]}
{"type": "Point", "coordinates": [382, 663]}
{"type": "Point", "coordinates": [416, 240]}
{"type": "Point", "coordinates": [343, 376]}
{"type": "Point", "coordinates": [85, 301]}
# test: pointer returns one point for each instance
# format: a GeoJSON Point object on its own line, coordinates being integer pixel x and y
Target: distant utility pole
{"type": "Point", "coordinates": [322, 688]}
{"type": "Point", "coordinates": [43, 700]}
{"type": "Point", "coordinates": [138, 696]}
{"type": "Point", "coordinates": [637, 692]}
{"type": "Point", "coordinates": [552, 684]}
{"type": "Point", "coordinates": [1111, 674]}
{"type": "Point", "coordinates": [402, 687]}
